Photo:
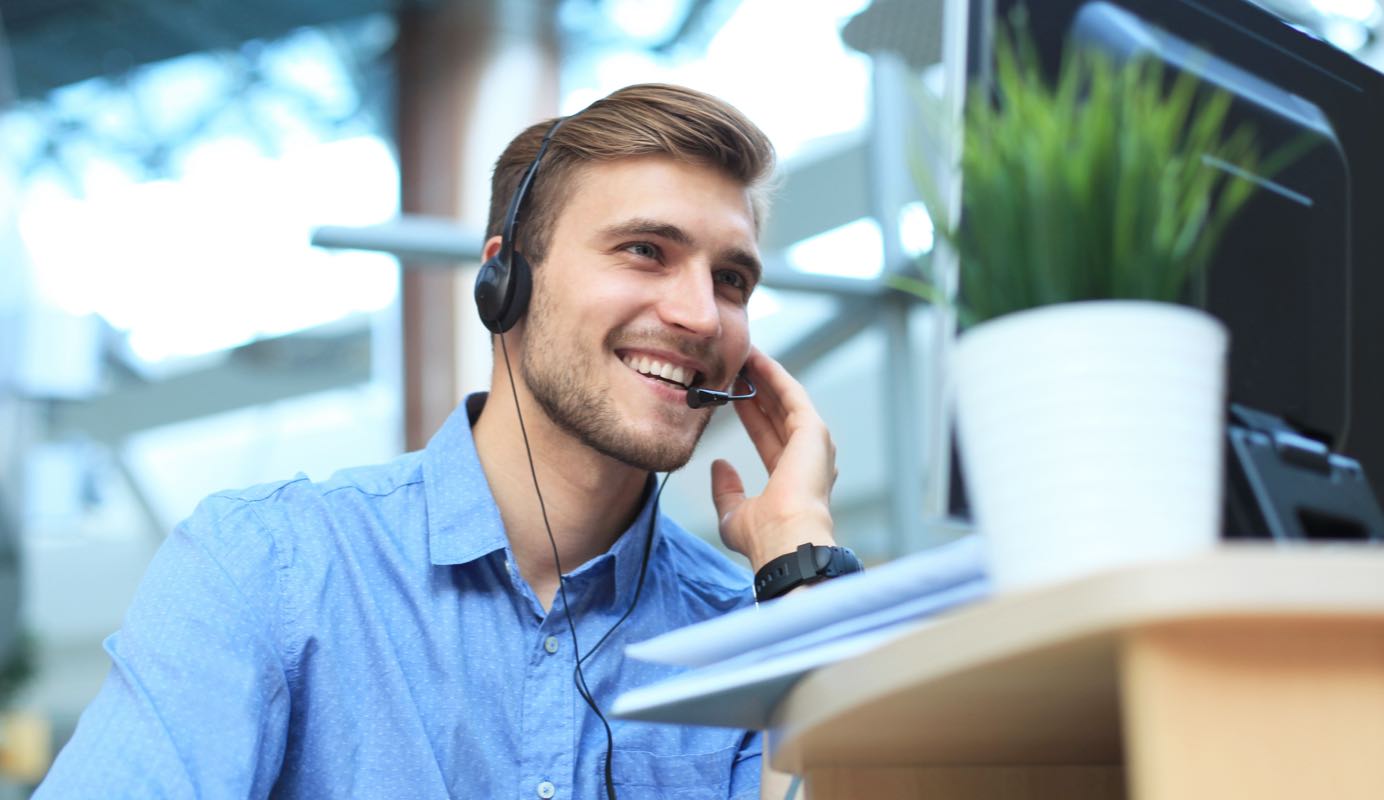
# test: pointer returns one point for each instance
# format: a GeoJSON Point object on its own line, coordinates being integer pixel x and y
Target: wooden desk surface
{"type": "Point", "coordinates": [1032, 677]}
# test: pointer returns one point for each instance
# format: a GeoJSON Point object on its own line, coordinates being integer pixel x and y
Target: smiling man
{"type": "Point", "coordinates": [452, 624]}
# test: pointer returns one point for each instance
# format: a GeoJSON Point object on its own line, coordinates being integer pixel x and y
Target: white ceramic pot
{"type": "Point", "coordinates": [1092, 435]}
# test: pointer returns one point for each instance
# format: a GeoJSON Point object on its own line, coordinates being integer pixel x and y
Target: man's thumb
{"type": "Point", "coordinates": [727, 490]}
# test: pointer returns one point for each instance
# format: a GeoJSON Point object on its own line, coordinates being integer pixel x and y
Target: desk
{"type": "Point", "coordinates": [1250, 672]}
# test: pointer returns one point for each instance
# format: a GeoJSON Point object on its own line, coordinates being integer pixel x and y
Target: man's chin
{"type": "Point", "coordinates": [651, 456]}
{"type": "Point", "coordinates": [659, 448]}
{"type": "Point", "coordinates": [661, 463]}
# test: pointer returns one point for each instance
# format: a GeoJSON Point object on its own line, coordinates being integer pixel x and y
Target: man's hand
{"type": "Point", "coordinates": [797, 450]}
{"type": "Point", "coordinates": [795, 507]}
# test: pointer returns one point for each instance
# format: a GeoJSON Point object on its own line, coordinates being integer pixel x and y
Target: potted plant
{"type": "Point", "coordinates": [1090, 403]}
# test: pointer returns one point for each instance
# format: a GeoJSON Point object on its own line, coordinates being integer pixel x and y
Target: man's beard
{"type": "Point", "coordinates": [552, 369]}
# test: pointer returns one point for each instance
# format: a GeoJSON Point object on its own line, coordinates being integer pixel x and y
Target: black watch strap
{"type": "Point", "coordinates": [809, 563]}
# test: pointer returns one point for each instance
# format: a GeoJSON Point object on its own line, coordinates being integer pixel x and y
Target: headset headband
{"type": "Point", "coordinates": [512, 216]}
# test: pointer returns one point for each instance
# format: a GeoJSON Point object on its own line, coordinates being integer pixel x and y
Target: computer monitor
{"type": "Point", "coordinates": [1299, 277]}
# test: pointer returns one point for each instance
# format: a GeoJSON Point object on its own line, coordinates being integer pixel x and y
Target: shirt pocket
{"type": "Point", "coordinates": [641, 775]}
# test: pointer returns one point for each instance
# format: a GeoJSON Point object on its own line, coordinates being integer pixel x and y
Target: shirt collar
{"type": "Point", "coordinates": [464, 521]}
{"type": "Point", "coordinates": [628, 550]}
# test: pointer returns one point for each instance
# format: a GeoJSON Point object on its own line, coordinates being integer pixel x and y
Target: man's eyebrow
{"type": "Point", "coordinates": [648, 227]}
{"type": "Point", "coordinates": [641, 226]}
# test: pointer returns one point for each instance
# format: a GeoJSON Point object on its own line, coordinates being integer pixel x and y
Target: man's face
{"type": "Point", "coordinates": [649, 269]}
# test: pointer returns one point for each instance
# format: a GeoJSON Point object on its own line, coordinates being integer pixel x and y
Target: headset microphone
{"type": "Point", "coordinates": [700, 398]}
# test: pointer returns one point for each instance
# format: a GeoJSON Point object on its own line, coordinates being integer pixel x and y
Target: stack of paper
{"type": "Point", "coordinates": [745, 661]}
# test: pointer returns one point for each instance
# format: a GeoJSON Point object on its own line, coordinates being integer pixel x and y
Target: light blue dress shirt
{"type": "Point", "coordinates": [370, 637]}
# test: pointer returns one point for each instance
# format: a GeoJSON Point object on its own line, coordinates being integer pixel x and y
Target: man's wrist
{"type": "Point", "coordinates": [769, 545]}
{"type": "Point", "coordinates": [807, 564]}
{"type": "Point", "coordinates": [766, 555]}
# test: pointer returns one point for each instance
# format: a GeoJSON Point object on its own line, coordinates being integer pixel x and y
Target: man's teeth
{"type": "Point", "coordinates": [658, 369]}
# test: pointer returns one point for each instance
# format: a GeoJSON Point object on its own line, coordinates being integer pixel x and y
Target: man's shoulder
{"type": "Point", "coordinates": [704, 570]}
{"type": "Point", "coordinates": [298, 523]}
{"type": "Point", "coordinates": [285, 505]}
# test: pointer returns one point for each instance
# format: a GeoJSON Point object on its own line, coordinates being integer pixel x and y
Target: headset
{"type": "Point", "coordinates": [505, 282]}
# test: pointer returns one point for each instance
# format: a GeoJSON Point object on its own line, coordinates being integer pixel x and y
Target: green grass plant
{"type": "Point", "coordinates": [1100, 185]}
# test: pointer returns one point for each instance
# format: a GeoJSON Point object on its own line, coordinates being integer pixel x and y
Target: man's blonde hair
{"type": "Point", "coordinates": [646, 119]}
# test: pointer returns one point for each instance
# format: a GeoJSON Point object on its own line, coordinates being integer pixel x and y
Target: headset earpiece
{"type": "Point", "coordinates": [502, 293]}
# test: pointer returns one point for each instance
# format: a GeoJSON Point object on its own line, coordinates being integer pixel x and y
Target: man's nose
{"type": "Point", "coordinates": [689, 302]}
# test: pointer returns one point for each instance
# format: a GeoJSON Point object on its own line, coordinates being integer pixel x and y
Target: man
{"type": "Point", "coordinates": [402, 630]}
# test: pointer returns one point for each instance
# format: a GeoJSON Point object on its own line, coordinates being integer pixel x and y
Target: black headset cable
{"type": "Point", "coordinates": [578, 676]}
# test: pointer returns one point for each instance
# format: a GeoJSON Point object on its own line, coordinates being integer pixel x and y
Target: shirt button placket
{"type": "Point", "coordinates": [546, 789]}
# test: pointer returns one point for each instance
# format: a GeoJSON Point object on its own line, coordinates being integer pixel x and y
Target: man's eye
{"type": "Point", "coordinates": [642, 249]}
{"type": "Point", "coordinates": [732, 278]}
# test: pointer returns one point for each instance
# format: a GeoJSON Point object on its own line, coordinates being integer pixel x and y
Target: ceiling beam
{"type": "Point", "coordinates": [265, 371]}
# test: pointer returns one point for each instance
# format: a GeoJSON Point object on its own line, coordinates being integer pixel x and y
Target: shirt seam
{"type": "Point", "coordinates": [367, 493]}
{"type": "Point", "coordinates": [240, 498]}
{"type": "Point", "coordinates": [288, 664]}
{"type": "Point", "coordinates": [196, 542]}
{"type": "Point", "coordinates": [289, 654]}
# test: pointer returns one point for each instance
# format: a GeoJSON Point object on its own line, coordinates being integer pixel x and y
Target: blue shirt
{"type": "Point", "coordinates": [370, 637]}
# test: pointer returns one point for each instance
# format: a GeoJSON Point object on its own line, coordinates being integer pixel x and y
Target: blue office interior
{"type": "Point", "coordinates": [176, 317]}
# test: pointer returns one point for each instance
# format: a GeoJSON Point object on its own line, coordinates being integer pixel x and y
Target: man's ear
{"type": "Point", "coordinates": [492, 246]}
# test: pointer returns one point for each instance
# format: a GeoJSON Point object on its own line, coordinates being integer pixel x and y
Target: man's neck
{"type": "Point", "coordinates": [590, 498]}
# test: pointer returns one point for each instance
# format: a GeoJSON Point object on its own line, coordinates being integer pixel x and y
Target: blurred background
{"type": "Point", "coordinates": [168, 327]}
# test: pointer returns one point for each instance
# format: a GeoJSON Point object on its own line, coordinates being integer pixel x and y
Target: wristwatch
{"type": "Point", "coordinates": [808, 564]}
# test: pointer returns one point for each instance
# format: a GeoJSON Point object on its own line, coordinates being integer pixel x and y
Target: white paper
{"type": "Point", "coordinates": [744, 694]}
{"type": "Point", "coordinates": [745, 662]}
{"type": "Point", "coordinates": [892, 617]}
{"type": "Point", "coordinates": [857, 602]}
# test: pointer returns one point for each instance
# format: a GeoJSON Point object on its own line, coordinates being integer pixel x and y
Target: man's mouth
{"type": "Point", "coordinates": [672, 374]}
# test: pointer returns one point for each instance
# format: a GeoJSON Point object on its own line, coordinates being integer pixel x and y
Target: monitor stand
{"type": "Point", "coordinates": [1286, 486]}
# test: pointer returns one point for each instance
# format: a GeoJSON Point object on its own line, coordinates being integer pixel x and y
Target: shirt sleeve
{"type": "Point", "coordinates": [196, 702]}
{"type": "Point", "coordinates": [744, 782]}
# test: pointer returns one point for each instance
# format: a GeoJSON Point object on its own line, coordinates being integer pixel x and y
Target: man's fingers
{"type": "Point", "coordinates": [784, 401]}
{"type": "Point", "coordinates": [771, 411]}
{"type": "Point", "coordinates": [768, 408]}
{"type": "Point", "coordinates": [779, 393]}
{"type": "Point", "coordinates": [727, 490]}
{"type": "Point", "coordinates": [768, 441]}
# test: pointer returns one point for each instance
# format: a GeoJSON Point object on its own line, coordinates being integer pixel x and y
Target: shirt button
{"type": "Point", "coordinates": [549, 644]}
{"type": "Point", "coordinates": [546, 789]}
